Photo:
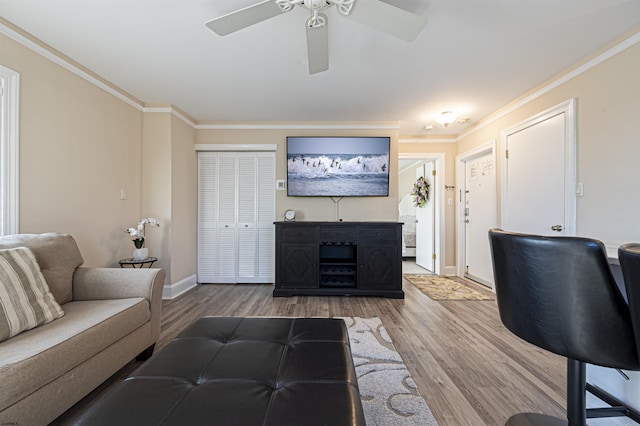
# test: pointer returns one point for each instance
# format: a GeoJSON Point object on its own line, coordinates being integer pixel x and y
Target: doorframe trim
{"type": "Point", "coordinates": [568, 108]}
{"type": "Point", "coordinates": [487, 147]}
{"type": "Point", "coordinates": [440, 215]}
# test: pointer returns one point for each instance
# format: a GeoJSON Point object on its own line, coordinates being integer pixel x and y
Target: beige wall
{"type": "Point", "coordinates": [309, 208]}
{"type": "Point", "coordinates": [184, 200]}
{"type": "Point", "coordinates": [156, 185]}
{"type": "Point", "coordinates": [78, 147]}
{"type": "Point", "coordinates": [170, 183]}
{"type": "Point", "coordinates": [608, 144]}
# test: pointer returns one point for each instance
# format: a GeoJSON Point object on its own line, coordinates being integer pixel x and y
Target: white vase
{"type": "Point", "coordinates": [141, 253]}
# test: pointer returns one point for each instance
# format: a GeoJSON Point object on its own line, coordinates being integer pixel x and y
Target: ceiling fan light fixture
{"type": "Point", "coordinates": [316, 4]}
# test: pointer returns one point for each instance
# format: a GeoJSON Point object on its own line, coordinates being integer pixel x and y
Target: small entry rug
{"type": "Point", "coordinates": [444, 288]}
{"type": "Point", "coordinates": [389, 395]}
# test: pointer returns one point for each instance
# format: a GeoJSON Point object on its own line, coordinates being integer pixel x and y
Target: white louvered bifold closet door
{"type": "Point", "coordinates": [207, 217]}
{"type": "Point", "coordinates": [239, 197]}
{"type": "Point", "coordinates": [247, 197]}
{"type": "Point", "coordinates": [227, 217]}
{"type": "Point", "coordinates": [266, 211]}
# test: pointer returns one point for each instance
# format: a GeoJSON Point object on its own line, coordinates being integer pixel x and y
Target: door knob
{"type": "Point", "coordinates": [557, 228]}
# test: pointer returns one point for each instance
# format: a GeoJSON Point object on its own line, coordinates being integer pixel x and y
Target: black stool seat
{"type": "Point", "coordinates": [242, 371]}
{"type": "Point", "coordinates": [558, 293]}
{"type": "Point", "coordinates": [534, 419]}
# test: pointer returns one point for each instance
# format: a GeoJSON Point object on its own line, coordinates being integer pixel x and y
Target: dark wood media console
{"type": "Point", "coordinates": [339, 258]}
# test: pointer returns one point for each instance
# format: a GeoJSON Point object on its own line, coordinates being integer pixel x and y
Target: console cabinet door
{"type": "Point", "coordinates": [299, 268]}
{"type": "Point", "coordinates": [377, 267]}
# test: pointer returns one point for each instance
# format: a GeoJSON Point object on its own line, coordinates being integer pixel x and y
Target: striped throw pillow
{"type": "Point", "coordinates": [25, 299]}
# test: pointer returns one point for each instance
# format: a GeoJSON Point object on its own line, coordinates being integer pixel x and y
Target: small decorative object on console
{"type": "Point", "coordinates": [290, 215]}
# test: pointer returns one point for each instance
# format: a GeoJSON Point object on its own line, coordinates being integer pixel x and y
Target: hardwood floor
{"type": "Point", "coordinates": [468, 367]}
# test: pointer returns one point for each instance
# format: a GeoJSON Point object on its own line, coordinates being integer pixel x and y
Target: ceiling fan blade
{"type": "Point", "coordinates": [318, 47]}
{"type": "Point", "coordinates": [243, 18]}
{"type": "Point", "coordinates": [386, 18]}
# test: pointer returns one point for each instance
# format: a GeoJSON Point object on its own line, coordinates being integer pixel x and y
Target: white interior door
{"type": "Point", "coordinates": [480, 213]}
{"type": "Point", "coordinates": [425, 221]}
{"type": "Point", "coordinates": [539, 181]}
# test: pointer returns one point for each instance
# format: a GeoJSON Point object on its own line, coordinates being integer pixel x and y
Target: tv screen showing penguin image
{"type": "Point", "coordinates": [338, 166]}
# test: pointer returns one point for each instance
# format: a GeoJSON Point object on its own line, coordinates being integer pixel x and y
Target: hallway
{"type": "Point", "coordinates": [409, 267]}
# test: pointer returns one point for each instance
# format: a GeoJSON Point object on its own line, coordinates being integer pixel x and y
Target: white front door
{"type": "Point", "coordinates": [538, 174]}
{"type": "Point", "coordinates": [480, 213]}
{"type": "Point", "coordinates": [425, 221]}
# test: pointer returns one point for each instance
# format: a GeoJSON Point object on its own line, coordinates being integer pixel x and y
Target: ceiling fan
{"type": "Point", "coordinates": [374, 13]}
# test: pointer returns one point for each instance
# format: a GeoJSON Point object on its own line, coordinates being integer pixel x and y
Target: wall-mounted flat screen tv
{"type": "Point", "coordinates": [337, 166]}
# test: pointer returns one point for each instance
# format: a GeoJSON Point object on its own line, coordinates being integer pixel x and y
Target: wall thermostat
{"type": "Point", "coordinates": [290, 215]}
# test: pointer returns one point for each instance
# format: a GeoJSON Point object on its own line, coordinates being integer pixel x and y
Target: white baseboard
{"type": "Point", "coordinates": [450, 271]}
{"type": "Point", "coordinates": [176, 289]}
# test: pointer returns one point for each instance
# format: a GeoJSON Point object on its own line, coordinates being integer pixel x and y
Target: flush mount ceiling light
{"type": "Point", "coordinates": [447, 117]}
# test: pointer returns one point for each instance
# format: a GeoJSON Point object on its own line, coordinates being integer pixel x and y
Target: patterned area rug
{"type": "Point", "coordinates": [444, 288]}
{"type": "Point", "coordinates": [389, 394]}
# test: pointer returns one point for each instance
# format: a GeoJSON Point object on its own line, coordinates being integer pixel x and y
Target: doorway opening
{"type": "Point", "coordinates": [423, 229]}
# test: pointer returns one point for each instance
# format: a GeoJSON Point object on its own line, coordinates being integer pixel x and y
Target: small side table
{"type": "Point", "coordinates": [141, 263]}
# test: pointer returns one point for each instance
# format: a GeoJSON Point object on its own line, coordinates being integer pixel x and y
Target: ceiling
{"type": "Point", "coordinates": [473, 55]}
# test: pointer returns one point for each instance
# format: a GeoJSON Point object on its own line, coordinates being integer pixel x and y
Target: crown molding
{"type": "Point", "coordinates": [439, 140]}
{"type": "Point", "coordinates": [64, 63]}
{"type": "Point", "coordinates": [285, 126]}
{"type": "Point", "coordinates": [607, 54]}
{"type": "Point", "coordinates": [170, 110]}
{"type": "Point", "coordinates": [236, 147]}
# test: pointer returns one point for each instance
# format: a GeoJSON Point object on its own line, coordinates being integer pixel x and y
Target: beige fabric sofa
{"type": "Point", "coordinates": [111, 316]}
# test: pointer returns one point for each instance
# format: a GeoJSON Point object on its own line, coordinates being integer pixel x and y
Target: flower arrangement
{"type": "Point", "coordinates": [138, 233]}
{"type": "Point", "coordinates": [420, 192]}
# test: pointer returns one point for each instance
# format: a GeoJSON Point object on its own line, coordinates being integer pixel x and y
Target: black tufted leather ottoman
{"type": "Point", "coordinates": [241, 371]}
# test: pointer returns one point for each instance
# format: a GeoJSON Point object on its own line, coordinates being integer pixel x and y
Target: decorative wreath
{"type": "Point", "coordinates": [420, 192]}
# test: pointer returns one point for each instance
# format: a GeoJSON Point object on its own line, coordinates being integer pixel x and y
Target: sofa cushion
{"type": "Point", "coordinates": [38, 356]}
{"type": "Point", "coordinates": [25, 299]}
{"type": "Point", "coordinates": [58, 256]}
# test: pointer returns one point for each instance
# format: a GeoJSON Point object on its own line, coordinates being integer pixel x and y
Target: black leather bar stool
{"type": "Point", "coordinates": [558, 293]}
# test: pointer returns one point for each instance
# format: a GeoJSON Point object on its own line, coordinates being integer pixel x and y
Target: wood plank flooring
{"type": "Point", "coordinates": [468, 367]}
